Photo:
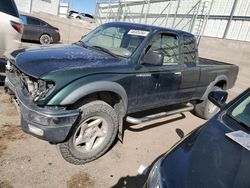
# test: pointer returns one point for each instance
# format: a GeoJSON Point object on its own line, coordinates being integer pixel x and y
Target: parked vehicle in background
{"type": "Point", "coordinates": [214, 155]}
{"type": "Point", "coordinates": [2, 71]}
{"type": "Point", "coordinates": [78, 95]}
{"type": "Point", "coordinates": [36, 29]}
{"type": "Point", "coordinates": [81, 16]}
{"type": "Point", "coordinates": [11, 27]}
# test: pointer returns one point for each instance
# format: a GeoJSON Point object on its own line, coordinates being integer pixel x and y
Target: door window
{"type": "Point", "coordinates": [44, 24]}
{"type": "Point", "coordinates": [168, 45]}
{"type": "Point", "coordinates": [33, 21]}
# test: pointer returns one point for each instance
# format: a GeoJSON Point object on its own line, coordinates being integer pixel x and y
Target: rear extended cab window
{"type": "Point", "coordinates": [190, 52]}
{"type": "Point", "coordinates": [9, 7]}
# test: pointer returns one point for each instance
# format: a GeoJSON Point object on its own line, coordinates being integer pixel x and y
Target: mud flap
{"type": "Point", "coordinates": [120, 130]}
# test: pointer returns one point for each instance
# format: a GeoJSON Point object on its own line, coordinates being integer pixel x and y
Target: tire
{"type": "Point", "coordinates": [78, 17]}
{"type": "Point", "coordinates": [45, 39]}
{"type": "Point", "coordinates": [206, 109]}
{"type": "Point", "coordinates": [93, 135]}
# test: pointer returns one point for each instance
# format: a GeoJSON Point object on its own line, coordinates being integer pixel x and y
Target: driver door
{"type": "Point", "coordinates": [158, 85]}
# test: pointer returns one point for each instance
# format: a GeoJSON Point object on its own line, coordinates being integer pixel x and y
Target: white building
{"type": "Point", "coordinates": [47, 6]}
{"type": "Point", "coordinates": [229, 19]}
{"type": "Point", "coordinates": [63, 9]}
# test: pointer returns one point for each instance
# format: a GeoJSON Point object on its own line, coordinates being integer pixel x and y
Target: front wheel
{"type": "Point", "coordinates": [206, 109]}
{"type": "Point", "coordinates": [93, 135]}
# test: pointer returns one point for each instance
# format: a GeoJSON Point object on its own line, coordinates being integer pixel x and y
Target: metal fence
{"type": "Point", "coordinates": [228, 19]}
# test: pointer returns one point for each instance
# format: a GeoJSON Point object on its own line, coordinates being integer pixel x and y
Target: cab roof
{"type": "Point", "coordinates": [150, 27]}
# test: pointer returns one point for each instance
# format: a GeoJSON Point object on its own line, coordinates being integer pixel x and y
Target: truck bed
{"type": "Point", "coordinates": [204, 61]}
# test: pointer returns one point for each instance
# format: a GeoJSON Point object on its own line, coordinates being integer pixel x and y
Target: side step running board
{"type": "Point", "coordinates": [133, 120]}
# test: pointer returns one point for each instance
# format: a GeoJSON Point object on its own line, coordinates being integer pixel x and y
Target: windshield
{"type": "Point", "coordinates": [241, 112]}
{"type": "Point", "coordinates": [118, 40]}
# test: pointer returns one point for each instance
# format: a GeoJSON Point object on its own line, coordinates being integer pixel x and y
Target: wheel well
{"type": "Point", "coordinates": [111, 98]}
{"type": "Point", "coordinates": [222, 84]}
{"type": "Point", "coordinates": [44, 34]}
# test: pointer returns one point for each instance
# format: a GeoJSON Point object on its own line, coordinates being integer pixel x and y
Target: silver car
{"type": "Point", "coordinates": [81, 16]}
{"type": "Point", "coordinates": [11, 27]}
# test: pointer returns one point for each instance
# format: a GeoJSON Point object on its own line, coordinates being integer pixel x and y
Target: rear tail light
{"type": "Point", "coordinates": [17, 26]}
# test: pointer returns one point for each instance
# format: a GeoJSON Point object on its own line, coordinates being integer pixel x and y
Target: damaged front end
{"type": "Point", "coordinates": [37, 88]}
{"type": "Point", "coordinates": [51, 123]}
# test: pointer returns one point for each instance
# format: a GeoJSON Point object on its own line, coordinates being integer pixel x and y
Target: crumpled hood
{"type": "Point", "coordinates": [42, 60]}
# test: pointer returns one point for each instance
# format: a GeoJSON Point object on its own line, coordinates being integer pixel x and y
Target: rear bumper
{"type": "Point", "coordinates": [56, 37]}
{"type": "Point", "coordinates": [48, 124]}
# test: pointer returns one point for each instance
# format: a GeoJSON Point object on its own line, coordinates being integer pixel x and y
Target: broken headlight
{"type": "Point", "coordinates": [43, 89]}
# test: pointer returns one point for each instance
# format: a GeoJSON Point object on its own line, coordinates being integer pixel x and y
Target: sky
{"type": "Point", "coordinates": [86, 6]}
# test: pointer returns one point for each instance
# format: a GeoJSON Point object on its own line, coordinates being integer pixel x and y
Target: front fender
{"type": "Point", "coordinates": [69, 95]}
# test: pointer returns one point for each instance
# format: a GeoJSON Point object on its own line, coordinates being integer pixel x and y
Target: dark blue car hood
{"type": "Point", "coordinates": [41, 60]}
{"type": "Point", "coordinates": [207, 158]}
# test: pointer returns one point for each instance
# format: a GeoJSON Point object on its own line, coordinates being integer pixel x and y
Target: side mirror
{"type": "Point", "coordinates": [218, 98]}
{"type": "Point", "coordinates": [153, 58]}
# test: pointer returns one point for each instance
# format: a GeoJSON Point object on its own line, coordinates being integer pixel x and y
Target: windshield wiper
{"type": "Point", "coordinates": [105, 50]}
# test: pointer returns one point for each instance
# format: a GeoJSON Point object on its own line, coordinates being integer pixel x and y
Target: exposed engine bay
{"type": "Point", "coordinates": [36, 88]}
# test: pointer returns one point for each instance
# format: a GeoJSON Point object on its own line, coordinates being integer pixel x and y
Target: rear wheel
{"type": "Point", "coordinates": [206, 109]}
{"type": "Point", "coordinates": [94, 134]}
{"type": "Point", "coordinates": [45, 39]}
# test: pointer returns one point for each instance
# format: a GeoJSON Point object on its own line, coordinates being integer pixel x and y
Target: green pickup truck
{"type": "Point", "coordinates": [79, 95]}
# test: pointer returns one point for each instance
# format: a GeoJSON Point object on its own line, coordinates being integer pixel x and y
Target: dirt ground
{"type": "Point", "coordinates": [26, 161]}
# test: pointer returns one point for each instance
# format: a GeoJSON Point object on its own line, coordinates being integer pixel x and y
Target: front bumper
{"type": "Point", "coordinates": [48, 124]}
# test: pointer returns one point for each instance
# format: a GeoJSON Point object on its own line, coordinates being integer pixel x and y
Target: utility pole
{"type": "Point", "coordinates": [230, 18]}
{"type": "Point", "coordinates": [176, 11]}
{"type": "Point", "coordinates": [30, 6]}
